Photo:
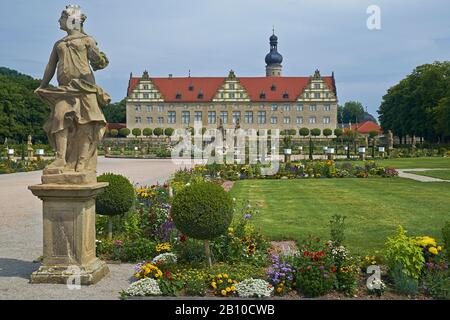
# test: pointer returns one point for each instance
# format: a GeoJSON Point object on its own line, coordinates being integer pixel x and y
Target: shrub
{"type": "Point", "coordinates": [158, 132]}
{"type": "Point", "coordinates": [190, 252]}
{"type": "Point", "coordinates": [114, 132]}
{"type": "Point", "coordinates": [281, 275]}
{"type": "Point", "coordinates": [136, 132]}
{"type": "Point", "coordinates": [338, 132]}
{"type": "Point", "coordinates": [337, 229]}
{"type": "Point", "coordinates": [304, 132]}
{"type": "Point", "coordinates": [316, 272]}
{"type": "Point", "coordinates": [437, 282]}
{"type": "Point", "coordinates": [202, 211]}
{"type": "Point", "coordinates": [254, 288]}
{"type": "Point", "coordinates": [403, 283]}
{"type": "Point", "coordinates": [137, 250]}
{"type": "Point", "coordinates": [401, 252]}
{"type": "Point", "coordinates": [143, 287]}
{"type": "Point", "coordinates": [124, 132]}
{"type": "Point", "coordinates": [315, 132]}
{"type": "Point", "coordinates": [147, 132]}
{"type": "Point", "coordinates": [117, 198]}
{"type": "Point", "coordinates": [327, 132]}
{"type": "Point", "coordinates": [168, 131]}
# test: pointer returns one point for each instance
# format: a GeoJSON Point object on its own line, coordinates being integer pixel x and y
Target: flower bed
{"type": "Point", "coordinates": [17, 165]}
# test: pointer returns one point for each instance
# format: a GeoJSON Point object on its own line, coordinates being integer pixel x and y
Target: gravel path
{"type": "Point", "coordinates": [21, 233]}
{"type": "Point", "coordinates": [406, 173]}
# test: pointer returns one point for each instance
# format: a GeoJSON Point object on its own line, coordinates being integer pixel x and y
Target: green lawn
{"type": "Point", "coordinates": [411, 163]}
{"type": "Point", "coordinates": [293, 209]}
{"type": "Point", "coordinates": [440, 174]}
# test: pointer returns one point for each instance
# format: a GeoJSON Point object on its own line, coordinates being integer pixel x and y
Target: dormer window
{"type": "Point", "coordinates": [200, 95]}
{"type": "Point", "coordinates": [273, 87]}
{"type": "Point", "coordinates": [285, 95]}
{"type": "Point", "coordinates": [191, 87]}
{"type": "Point", "coordinates": [178, 95]}
{"type": "Point", "coordinates": [262, 95]}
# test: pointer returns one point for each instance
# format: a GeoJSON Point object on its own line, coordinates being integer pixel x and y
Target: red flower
{"type": "Point", "coordinates": [183, 238]}
{"type": "Point", "coordinates": [333, 269]}
{"type": "Point", "coordinates": [306, 253]}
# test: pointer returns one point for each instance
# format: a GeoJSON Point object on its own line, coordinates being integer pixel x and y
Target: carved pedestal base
{"type": "Point", "coordinates": [69, 234]}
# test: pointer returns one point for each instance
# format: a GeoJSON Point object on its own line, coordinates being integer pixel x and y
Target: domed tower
{"type": "Point", "coordinates": [273, 58]}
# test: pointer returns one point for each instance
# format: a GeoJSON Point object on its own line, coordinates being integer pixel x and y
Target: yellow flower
{"type": "Point", "coordinates": [233, 288]}
{"type": "Point", "coordinates": [224, 292]}
{"type": "Point", "coordinates": [279, 290]}
{"type": "Point", "coordinates": [137, 275]}
{"type": "Point", "coordinates": [219, 276]}
{"type": "Point", "coordinates": [214, 285]}
{"type": "Point", "coordinates": [439, 248]}
{"type": "Point", "coordinates": [433, 250]}
{"type": "Point", "coordinates": [230, 281]}
{"type": "Point", "coordinates": [219, 282]}
{"type": "Point", "coordinates": [225, 275]}
{"type": "Point", "coordinates": [230, 230]}
{"type": "Point", "coordinates": [228, 289]}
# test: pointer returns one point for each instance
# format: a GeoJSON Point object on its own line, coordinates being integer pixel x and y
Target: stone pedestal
{"type": "Point", "coordinates": [69, 234]}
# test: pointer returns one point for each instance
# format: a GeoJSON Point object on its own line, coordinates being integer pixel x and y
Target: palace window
{"type": "Point", "coordinates": [299, 120]}
{"type": "Point", "coordinates": [145, 86]}
{"type": "Point", "coordinates": [172, 117]}
{"type": "Point", "coordinates": [200, 95]}
{"type": "Point", "coordinates": [231, 86]}
{"type": "Point", "coordinates": [313, 107]}
{"type": "Point", "coordinates": [316, 85]}
{"type": "Point", "coordinates": [211, 117]}
{"type": "Point", "coordinates": [248, 117]}
{"type": "Point", "coordinates": [145, 95]}
{"type": "Point", "coordinates": [224, 117]}
{"type": "Point", "coordinates": [274, 107]}
{"type": "Point", "coordinates": [185, 115]}
{"type": "Point", "coordinates": [326, 107]}
{"type": "Point", "coordinates": [178, 96]}
{"type": "Point", "coordinates": [137, 108]}
{"type": "Point", "coordinates": [160, 119]}
{"type": "Point", "coordinates": [317, 95]}
{"type": "Point", "coordinates": [149, 119]}
{"type": "Point", "coordinates": [273, 120]}
{"type": "Point", "coordinates": [160, 108]}
{"type": "Point", "coordinates": [326, 120]}
{"type": "Point", "coordinates": [231, 95]}
{"type": "Point", "coordinates": [138, 120]}
{"type": "Point", "coordinates": [285, 95]}
{"type": "Point", "coordinates": [312, 120]}
{"type": "Point", "coordinates": [261, 117]}
{"type": "Point", "coordinates": [262, 95]}
{"type": "Point", "coordinates": [287, 107]}
{"type": "Point", "coordinates": [149, 108]}
{"type": "Point", "coordinates": [236, 117]}
{"type": "Point", "coordinates": [300, 107]}
{"type": "Point", "coordinates": [198, 116]}
{"type": "Point", "coordinates": [287, 120]}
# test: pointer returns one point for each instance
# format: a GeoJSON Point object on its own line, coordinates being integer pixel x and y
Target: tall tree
{"type": "Point", "coordinates": [116, 112]}
{"type": "Point", "coordinates": [353, 111]}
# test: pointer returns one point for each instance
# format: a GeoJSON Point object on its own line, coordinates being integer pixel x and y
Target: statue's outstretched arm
{"type": "Point", "coordinates": [97, 58]}
{"type": "Point", "coordinates": [50, 69]}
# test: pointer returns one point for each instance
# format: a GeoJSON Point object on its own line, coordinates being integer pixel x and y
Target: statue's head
{"type": "Point", "coordinates": [72, 18]}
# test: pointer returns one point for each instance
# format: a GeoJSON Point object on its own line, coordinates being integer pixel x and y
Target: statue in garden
{"type": "Point", "coordinates": [390, 140]}
{"type": "Point", "coordinates": [76, 123]}
{"type": "Point", "coordinates": [30, 148]}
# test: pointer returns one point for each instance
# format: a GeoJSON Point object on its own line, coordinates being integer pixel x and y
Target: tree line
{"type": "Point", "coordinates": [419, 105]}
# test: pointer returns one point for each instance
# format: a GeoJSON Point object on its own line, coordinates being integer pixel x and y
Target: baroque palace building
{"type": "Point", "coordinates": [270, 102]}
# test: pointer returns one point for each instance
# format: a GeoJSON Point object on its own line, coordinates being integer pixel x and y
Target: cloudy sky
{"type": "Point", "coordinates": [210, 37]}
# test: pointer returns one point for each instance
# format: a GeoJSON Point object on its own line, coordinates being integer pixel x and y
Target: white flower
{"type": "Point", "coordinates": [165, 258]}
{"type": "Point", "coordinates": [254, 288]}
{"type": "Point", "coordinates": [144, 287]}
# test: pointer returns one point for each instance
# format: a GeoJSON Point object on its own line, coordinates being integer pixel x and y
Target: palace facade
{"type": "Point", "coordinates": [270, 102]}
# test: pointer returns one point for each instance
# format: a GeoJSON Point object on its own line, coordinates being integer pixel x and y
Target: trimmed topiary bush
{"type": "Point", "coordinates": [124, 132]}
{"type": "Point", "coordinates": [304, 132]}
{"type": "Point", "coordinates": [202, 211]}
{"type": "Point", "coordinates": [117, 198]}
{"type": "Point", "coordinates": [158, 132]}
{"type": "Point", "coordinates": [136, 132]}
{"type": "Point", "coordinates": [114, 132]}
{"type": "Point", "coordinates": [147, 132]}
{"type": "Point", "coordinates": [168, 131]}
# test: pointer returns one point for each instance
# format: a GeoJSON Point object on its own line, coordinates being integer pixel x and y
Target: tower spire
{"type": "Point", "coordinates": [273, 58]}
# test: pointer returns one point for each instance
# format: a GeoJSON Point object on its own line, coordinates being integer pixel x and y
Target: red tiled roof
{"type": "Point", "coordinates": [117, 126]}
{"type": "Point", "coordinates": [170, 87]}
{"type": "Point", "coordinates": [366, 127]}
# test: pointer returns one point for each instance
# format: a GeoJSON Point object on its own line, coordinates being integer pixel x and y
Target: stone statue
{"type": "Point", "coordinates": [69, 184]}
{"type": "Point", "coordinates": [30, 148]}
{"type": "Point", "coordinates": [76, 123]}
{"type": "Point", "coordinates": [390, 140]}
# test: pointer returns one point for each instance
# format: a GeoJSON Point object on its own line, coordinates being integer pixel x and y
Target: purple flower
{"type": "Point", "coordinates": [118, 243]}
{"type": "Point", "coordinates": [248, 216]}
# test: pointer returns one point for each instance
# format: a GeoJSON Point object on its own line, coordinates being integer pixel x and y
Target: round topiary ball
{"type": "Point", "coordinates": [202, 211]}
{"type": "Point", "coordinates": [118, 196]}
